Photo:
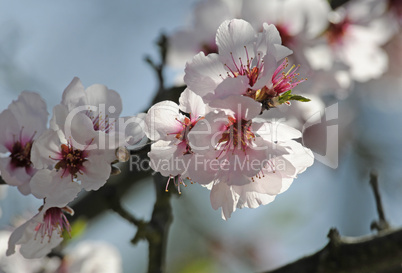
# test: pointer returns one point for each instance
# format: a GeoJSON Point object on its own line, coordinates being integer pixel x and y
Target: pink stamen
{"type": "Point", "coordinates": [54, 219]}
{"type": "Point", "coordinates": [283, 82]}
{"type": "Point", "coordinates": [179, 182]}
{"type": "Point", "coordinates": [237, 135]}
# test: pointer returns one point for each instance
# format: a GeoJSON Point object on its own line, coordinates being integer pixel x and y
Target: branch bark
{"type": "Point", "coordinates": [381, 253]}
{"type": "Point", "coordinates": [160, 223]}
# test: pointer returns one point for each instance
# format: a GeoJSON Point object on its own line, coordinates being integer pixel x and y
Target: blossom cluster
{"type": "Point", "coordinates": [55, 163]}
{"type": "Point", "coordinates": [216, 136]}
{"type": "Point", "coordinates": [335, 47]}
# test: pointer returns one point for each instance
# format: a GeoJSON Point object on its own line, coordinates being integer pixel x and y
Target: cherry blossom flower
{"type": "Point", "coordinates": [169, 124]}
{"type": "Point", "coordinates": [353, 39]}
{"type": "Point", "coordinates": [22, 122]}
{"type": "Point", "coordinates": [70, 162]}
{"type": "Point", "coordinates": [80, 146]}
{"type": "Point", "coordinates": [297, 21]}
{"type": "Point", "coordinates": [237, 155]}
{"type": "Point", "coordinates": [247, 64]}
{"type": "Point", "coordinates": [299, 24]}
{"type": "Point", "coordinates": [102, 106]}
{"type": "Point", "coordinates": [43, 232]}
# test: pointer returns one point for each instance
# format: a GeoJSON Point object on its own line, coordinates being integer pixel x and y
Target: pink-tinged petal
{"type": "Point", "coordinates": [203, 168]}
{"type": "Point", "coordinates": [32, 244]}
{"type": "Point", "coordinates": [105, 141]}
{"type": "Point", "coordinates": [34, 249]}
{"type": "Point", "coordinates": [271, 44]}
{"type": "Point", "coordinates": [204, 73]}
{"type": "Point", "coordinates": [15, 237]}
{"type": "Point", "coordinates": [130, 130]}
{"type": "Point", "coordinates": [206, 133]}
{"type": "Point", "coordinates": [107, 101]}
{"type": "Point", "coordinates": [270, 65]}
{"type": "Point", "coordinates": [223, 196]}
{"type": "Point", "coordinates": [58, 190]}
{"type": "Point", "coordinates": [31, 113]}
{"type": "Point", "coordinates": [103, 147]}
{"type": "Point", "coordinates": [275, 131]}
{"type": "Point", "coordinates": [59, 117]}
{"type": "Point", "coordinates": [299, 156]}
{"type": "Point", "coordinates": [271, 34]}
{"type": "Point", "coordinates": [10, 131]}
{"type": "Point", "coordinates": [232, 37]}
{"type": "Point", "coordinates": [79, 131]}
{"type": "Point", "coordinates": [241, 165]}
{"type": "Point", "coordinates": [96, 172]}
{"type": "Point", "coordinates": [15, 176]}
{"type": "Point", "coordinates": [25, 189]}
{"type": "Point", "coordinates": [281, 52]}
{"type": "Point", "coordinates": [74, 94]}
{"type": "Point", "coordinates": [249, 198]}
{"type": "Point", "coordinates": [242, 107]}
{"type": "Point", "coordinates": [269, 183]}
{"type": "Point", "coordinates": [162, 120]}
{"type": "Point", "coordinates": [191, 103]}
{"type": "Point", "coordinates": [46, 149]}
{"type": "Point", "coordinates": [168, 158]}
{"type": "Point", "coordinates": [232, 177]}
{"type": "Point", "coordinates": [229, 87]}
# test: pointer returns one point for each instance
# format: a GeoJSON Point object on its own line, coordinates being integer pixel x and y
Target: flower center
{"type": "Point", "coordinates": [281, 82]}
{"type": "Point", "coordinates": [54, 219]}
{"type": "Point", "coordinates": [20, 152]}
{"type": "Point", "coordinates": [187, 125]}
{"type": "Point", "coordinates": [71, 160]}
{"type": "Point", "coordinates": [237, 135]}
{"type": "Point", "coordinates": [337, 30]}
{"type": "Point", "coordinates": [251, 68]}
{"type": "Point", "coordinates": [100, 123]}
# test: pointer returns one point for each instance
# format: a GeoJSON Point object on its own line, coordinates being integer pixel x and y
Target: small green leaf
{"type": "Point", "coordinates": [287, 96]}
{"type": "Point", "coordinates": [299, 98]}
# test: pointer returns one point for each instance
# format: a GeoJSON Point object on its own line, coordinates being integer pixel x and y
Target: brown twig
{"type": "Point", "coordinates": [382, 223]}
{"type": "Point", "coordinates": [158, 68]}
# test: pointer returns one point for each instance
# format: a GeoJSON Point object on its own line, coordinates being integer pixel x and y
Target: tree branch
{"type": "Point", "coordinates": [93, 203]}
{"type": "Point", "coordinates": [157, 229]}
{"type": "Point", "coordinates": [382, 224]}
{"type": "Point", "coordinates": [158, 68]}
{"type": "Point", "coordinates": [116, 206]}
{"type": "Point", "coordinates": [377, 253]}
